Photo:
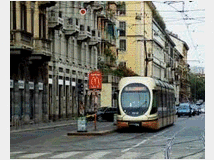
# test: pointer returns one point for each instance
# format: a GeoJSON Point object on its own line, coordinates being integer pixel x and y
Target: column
{"type": "Point", "coordinates": [18, 15]}
{"type": "Point", "coordinates": [36, 20]}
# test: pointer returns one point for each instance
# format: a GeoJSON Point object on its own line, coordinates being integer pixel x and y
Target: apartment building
{"type": "Point", "coordinates": [183, 68]}
{"type": "Point", "coordinates": [107, 22]}
{"type": "Point", "coordinates": [145, 47]}
{"type": "Point", "coordinates": [76, 44]}
{"type": "Point", "coordinates": [30, 53]}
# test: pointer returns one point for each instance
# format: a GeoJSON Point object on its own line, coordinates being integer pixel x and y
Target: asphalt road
{"type": "Point", "coordinates": [185, 139]}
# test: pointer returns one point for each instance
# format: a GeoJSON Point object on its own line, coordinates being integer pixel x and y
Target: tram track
{"type": "Point", "coordinates": [171, 143]}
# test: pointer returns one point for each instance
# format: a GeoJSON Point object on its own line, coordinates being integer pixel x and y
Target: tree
{"type": "Point", "coordinates": [197, 84]}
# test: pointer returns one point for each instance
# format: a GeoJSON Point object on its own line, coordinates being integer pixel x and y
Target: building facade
{"type": "Point", "coordinates": [30, 53]}
{"type": "Point", "coordinates": [76, 44]}
{"type": "Point", "coordinates": [107, 23]}
{"type": "Point", "coordinates": [183, 68]}
{"type": "Point", "coordinates": [145, 47]}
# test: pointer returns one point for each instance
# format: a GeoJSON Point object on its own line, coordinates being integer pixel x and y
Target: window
{"type": "Point", "coordinates": [70, 21]}
{"type": "Point", "coordinates": [123, 44]}
{"type": "Point", "coordinates": [23, 17]}
{"type": "Point", "coordinates": [154, 103]}
{"type": "Point", "coordinates": [135, 99]}
{"type": "Point", "coordinates": [122, 26]}
{"type": "Point", "coordinates": [13, 14]}
{"type": "Point", "coordinates": [42, 26]}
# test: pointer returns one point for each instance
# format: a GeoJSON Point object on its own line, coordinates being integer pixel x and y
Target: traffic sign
{"type": "Point", "coordinates": [95, 80]}
{"type": "Point", "coordinates": [83, 11]}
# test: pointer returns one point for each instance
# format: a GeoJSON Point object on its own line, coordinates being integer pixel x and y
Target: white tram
{"type": "Point", "coordinates": [145, 102]}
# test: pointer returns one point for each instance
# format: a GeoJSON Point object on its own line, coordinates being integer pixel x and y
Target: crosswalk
{"type": "Point", "coordinates": [76, 155]}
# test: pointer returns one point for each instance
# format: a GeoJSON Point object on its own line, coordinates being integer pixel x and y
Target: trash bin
{"type": "Point", "coordinates": [81, 124]}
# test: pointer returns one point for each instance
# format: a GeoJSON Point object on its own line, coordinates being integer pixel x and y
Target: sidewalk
{"type": "Point", "coordinates": [40, 126]}
{"type": "Point", "coordinates": [101, 129]}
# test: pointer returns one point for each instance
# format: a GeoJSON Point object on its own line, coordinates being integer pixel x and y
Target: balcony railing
{"type": "Point", "coordinates": [42, 46]}
{"type": "Point", "coordinates": [95, 39]}
{"type": "Point", "coordinates": [110, 79]}
{"type": "Point", "coordinates": [97, 6]}
{"type": "Point", "coordinates": [54, 21]}
{"type": "Point", "coordinates": [84, 34]}
{"type": "Point", "coordinates": [71, 26]}
{"type": "Point", "coordinates": [21, 39]}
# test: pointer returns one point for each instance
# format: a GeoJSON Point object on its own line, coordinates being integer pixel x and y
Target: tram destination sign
{"type": "Point", "coordinates": [95, 80]}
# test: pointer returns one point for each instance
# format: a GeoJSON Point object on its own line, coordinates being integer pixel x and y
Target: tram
{"type": "Point", "coordinates": [145, 102]}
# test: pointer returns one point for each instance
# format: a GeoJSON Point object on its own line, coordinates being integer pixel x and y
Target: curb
{"type": "Point", "coordinates": [91, 133]}
{"type": "Point", "coordinates": [41, 128]}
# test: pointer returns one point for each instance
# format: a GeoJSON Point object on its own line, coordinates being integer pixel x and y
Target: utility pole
{"type": "Point", "coordinates": [145, 49]}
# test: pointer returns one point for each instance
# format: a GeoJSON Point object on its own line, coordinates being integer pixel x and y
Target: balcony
{"type": "Point", "coordinates": [96, 6]}
{"type": "Point", "coordinates": [110, 79]}
{"type": "Point", "coordinates": [102, 14]}
{"type": "Point", "coordinates": [45, 4]}
{"type": "Point", "coordinates": [84, 34]}
{"type": "Point", "coordinates": [96, 38]}
{"type": "Point", "coordinates": [42, 46]}
{"type": "Point", "coordinates": [54, 21]}
{"type": "Point", "coordinates": [71, 26]}
{"type": "Point", "coordinates": [21, 40]}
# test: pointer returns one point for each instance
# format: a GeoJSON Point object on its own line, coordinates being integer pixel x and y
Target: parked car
{"type": "Point", "coordinates": [195, 109]}
{"type": "Point", "coordinates": [106, 113]}
{"type": "Point", "coordinates": [184, 109]}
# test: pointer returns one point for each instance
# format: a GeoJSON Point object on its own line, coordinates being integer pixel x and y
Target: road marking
{"type": "Point", "coordinates": [65, 155]}
{"type": "Point", "coordinates": [13, 153]}
{"type": "Point", "coordinates": [96, 155]}
{"type": "Point", "coordinates": [129, 155]}
{"type": "Point", "coordinates": [33, 155]}
{"type": "Point", "coordinates": [158, 155]}
{"type": "Point", "coordinates": [125, 150]}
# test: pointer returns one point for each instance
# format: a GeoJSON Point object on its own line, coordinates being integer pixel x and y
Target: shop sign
{"type": "Point", "coordinates": [31, 85]}
{"type": "Point", "coordinates": [67, 83]}
{"type": "Point", "coordinates": [73, 84]}
{"type": "Point", "coordinates": [50, 81]}
{"type": "Point", "coordinates": [40, 86]}
{"type": "Point", "coordinates": [11, 83]}
{"type": "Point", "coordinates": [95, 80]}
{"type": "Point", "coordinates": [21, 84]}
{"type": "Point", "coordinates": [60, 82]}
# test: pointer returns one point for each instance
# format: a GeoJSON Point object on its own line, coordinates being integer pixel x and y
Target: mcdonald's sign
{"type": "Point", "coordinates": [95, 80]}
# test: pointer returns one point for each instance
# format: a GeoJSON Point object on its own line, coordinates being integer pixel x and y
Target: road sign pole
{"type": "Point", "coordinates": [95, 117]}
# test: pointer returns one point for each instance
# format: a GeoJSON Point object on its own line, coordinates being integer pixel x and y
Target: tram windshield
{"type": "Point", "coordinates": [135, 99]}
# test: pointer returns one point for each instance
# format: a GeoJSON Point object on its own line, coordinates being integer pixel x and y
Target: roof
{"type": "Point", "coordinates": [185, 44]}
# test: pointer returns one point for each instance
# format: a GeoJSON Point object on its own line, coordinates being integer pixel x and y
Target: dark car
{"type": "Point", "coordinates": [184, 109]}
{"type": "Point", "coordinates": [106, 113]}
{"type": "Point", "coordinates": [196, 109]}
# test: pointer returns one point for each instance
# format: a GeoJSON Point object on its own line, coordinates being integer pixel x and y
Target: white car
{"type": "Point", "coordinates": [202, 110]}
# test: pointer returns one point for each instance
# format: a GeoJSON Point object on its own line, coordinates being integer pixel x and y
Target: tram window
{"type": "Point", "coordinates": [154, 102]}
{"type": "Point", "coordinates": [135, 99]}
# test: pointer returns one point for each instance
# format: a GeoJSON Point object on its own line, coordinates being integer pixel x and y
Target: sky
{"type": "Point", "coordinates": [188, 25]}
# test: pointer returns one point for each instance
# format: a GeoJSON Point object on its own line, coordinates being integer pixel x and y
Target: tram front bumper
{"type": "Point", "coordinates": [147, 124]}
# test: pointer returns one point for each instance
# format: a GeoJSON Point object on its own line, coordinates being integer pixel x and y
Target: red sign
{"type": "Point", "coordinates": [82, 11]}
{"type": "Point", "coordinates": [95, 80]}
